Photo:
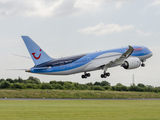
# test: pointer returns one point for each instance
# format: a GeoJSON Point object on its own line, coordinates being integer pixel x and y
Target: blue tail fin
{"type": "Point", "coordinates": [37, 54]}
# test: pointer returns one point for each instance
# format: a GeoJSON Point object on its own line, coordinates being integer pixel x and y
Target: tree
{"type": "Point", "coordinates": [68, 86]}
{"type": "Point", "coordinates": [76, 86]}
{"type": "Point", "coordinates": [105, 83]}
{"type": "Point", "coordinates": [30, 81]}
{"type": "Point", "coordinates": [98, 88]}
{"type": "Point", "coordinates": [119, 84]}
{"type": "Point", "coordinates": [89, 84]}
{"type": "Point", "coordinates": [149, 89]}
{"type": "Point", "coordinates": [52, 82]}
{"type": "Point", "coordinates": [62, 83]}
{"type": "Point", "coordinates": [141, 85]}
{"type": "Point", "coordinates": [20, 80]}
{"type": "Point", "coordinates": [15, 80]}
{"type": "Point", "coordinates": [46, 86]}
{"type": "Point", "coordinates": [2, 80]}
{"type": "Point", "coordinates": [18, 85]}
{"type": "Point", "coordinates": [97, 83]}
{"type": "Point", "coordinates": [135, 88]}
{"type": "Point", "coordinates": [29, 85]}
{"type": "Point", "coordinates": [121, 88]}
{"type": "Point", "coordinates": [106, 87]}
{"type": "Point", "coordinates": [36, 80]}
{"type": "Point", "coordinates": [10, 80]}
{"type": "Point", "coordinates": [5, 84]}
{"type": "Point", "coordinates": [57, 86]}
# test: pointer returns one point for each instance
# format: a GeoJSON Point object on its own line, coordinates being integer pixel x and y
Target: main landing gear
{"type": "Point", "coordinates": [104, 75]}
{"type": "Point", "coordinates": [86, 75]}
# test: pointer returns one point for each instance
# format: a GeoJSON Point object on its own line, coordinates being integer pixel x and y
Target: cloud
{"type": "Point", "coordinates": [144, 33]}
{"type": "Point", "coordinates": [155, 5]}
{"type": "Point", "coordinates": [119, 4]}
{"type": "Point", "coordinates": [112, 28]}
{"type": "Point", "coordinates": [102, 29]}
{"type": "Point", "coordinates": [49, 8]}
{"type": "Point", "coordinates": [156, 2]}
{"type": "Point", "coordinates": [94, 6]}
{"type": "Point", "coordinates": [83, 6]}
{"type": "Point", "coordinates": [42, 8]}
{"type": "Point", "coordinates": [87, 5]}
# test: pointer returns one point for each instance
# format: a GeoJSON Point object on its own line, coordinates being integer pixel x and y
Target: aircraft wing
{"type": "Point", "coordinates": [115, 60]}
{"type": "Point", "coordinates": [127, 53]}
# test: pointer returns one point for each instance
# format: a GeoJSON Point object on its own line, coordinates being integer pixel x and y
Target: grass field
{"type": "Point", "coordinates": [74, 94]}
{"type": "Point", "coordinates": [80, 110]}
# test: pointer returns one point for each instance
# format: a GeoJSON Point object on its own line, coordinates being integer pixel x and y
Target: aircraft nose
{"type": "Point", "coordinates": [150, 54]}
{"type": "Point", "coordinates": [147, 52]}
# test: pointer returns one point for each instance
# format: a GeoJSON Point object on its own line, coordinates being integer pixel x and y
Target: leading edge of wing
{"type": "Point", "coordinates": [127, 53]}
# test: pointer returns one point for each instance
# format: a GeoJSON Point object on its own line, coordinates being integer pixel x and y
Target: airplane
{"type": "Point", "coordinates": [130, 57]}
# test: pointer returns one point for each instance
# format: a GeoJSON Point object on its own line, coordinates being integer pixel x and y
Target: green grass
{"type": "Point", "coordinates": [75, 94]}
{"type": "Point", "coordinates": [80, 110]}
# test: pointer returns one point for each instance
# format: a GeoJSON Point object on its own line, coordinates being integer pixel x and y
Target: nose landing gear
{"type": "Point", "coordinates": [143, 65]}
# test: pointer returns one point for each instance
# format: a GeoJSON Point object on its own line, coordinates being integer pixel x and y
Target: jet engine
{"type": "Point", "coordinates": [131, 63]}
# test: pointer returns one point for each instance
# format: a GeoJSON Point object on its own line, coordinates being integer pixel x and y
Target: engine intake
{"type": "Point", "coordinates": [131, 63]}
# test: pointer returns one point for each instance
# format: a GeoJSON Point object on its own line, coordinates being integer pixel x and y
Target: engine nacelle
{"type": "Point", "coordinates": [131, 63]}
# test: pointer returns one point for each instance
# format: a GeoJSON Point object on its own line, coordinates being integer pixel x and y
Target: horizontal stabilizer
{"type": "Point", "coordinates": [21, 56]}
{"type": "Point", "coordinates": [18, 69]}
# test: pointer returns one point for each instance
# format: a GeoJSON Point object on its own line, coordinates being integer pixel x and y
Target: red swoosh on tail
{"type": "Point", "coordinates": [35, 56]}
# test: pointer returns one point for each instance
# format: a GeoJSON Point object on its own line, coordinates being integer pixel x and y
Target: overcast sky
{"type": "Point", "coordinates": [69, 27]}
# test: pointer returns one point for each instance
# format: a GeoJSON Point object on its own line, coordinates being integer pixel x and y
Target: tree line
{"type": "Point", "coordinates": [35, 83]}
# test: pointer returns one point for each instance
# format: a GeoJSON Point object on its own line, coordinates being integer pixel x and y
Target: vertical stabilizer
{"type": "Point", "coordinates": [37, 54]}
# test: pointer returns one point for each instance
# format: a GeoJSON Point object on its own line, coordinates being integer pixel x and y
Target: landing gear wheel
{"type": "Point", "coordinates": [142, 65]}
{"type": "Point", "coordinates": [107, 74]}
{"type": "Point", "coordinates": [88, 74]}
{"type": "Point", "coordinates": [102, 75]}
{"type": "Point", "coordinates": [83, 76]}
